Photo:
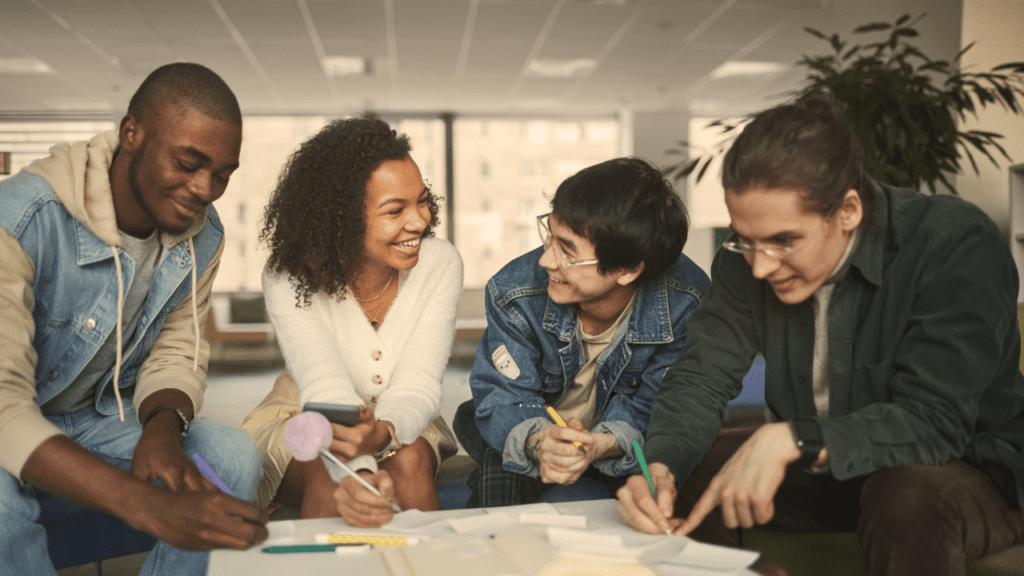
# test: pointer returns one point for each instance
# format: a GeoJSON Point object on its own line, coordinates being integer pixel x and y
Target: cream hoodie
{"type": "Point", "coordinates": [78, 174]}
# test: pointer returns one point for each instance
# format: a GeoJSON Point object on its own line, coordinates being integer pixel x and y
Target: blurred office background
{"type": "Point", "coordinates": [502, 99]}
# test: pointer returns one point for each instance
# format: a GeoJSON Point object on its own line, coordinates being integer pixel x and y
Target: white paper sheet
{"type": "Point", "coordinates": [280, 532]}
{"type": "Point", "coordinates": [564, 520]}
{"type": "Point", "coordinates": [700, 555]}
{"type": "Point", "coordinates": [491, 523]}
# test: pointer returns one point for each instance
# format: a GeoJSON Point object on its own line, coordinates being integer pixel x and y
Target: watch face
{"type": "Point", "coordinates": [808, 434]}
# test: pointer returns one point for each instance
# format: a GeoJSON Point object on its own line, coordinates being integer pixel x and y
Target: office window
{"type": "Point", "coordinates": [495, 217]}
{"type": "Point", "coordinates": [28, 141]}
{"type": "Point", "coordinates": [706, 202]}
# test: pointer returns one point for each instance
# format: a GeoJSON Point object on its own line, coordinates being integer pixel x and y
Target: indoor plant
{"type": "Point", "coordinates": [902, 106]}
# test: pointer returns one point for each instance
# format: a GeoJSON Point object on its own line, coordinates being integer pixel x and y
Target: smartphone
{"type": "Point", "coordinates": [344, 414]}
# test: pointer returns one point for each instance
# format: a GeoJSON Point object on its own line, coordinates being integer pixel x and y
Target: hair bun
{"type": "Point", "coordinates": [821, 101]}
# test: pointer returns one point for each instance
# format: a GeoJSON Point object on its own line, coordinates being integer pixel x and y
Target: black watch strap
{"type": "Point", "coordinates": [807, 434]}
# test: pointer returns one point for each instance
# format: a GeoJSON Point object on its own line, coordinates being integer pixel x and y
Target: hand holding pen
{"type": "Point", "coordinates": [308, 435]}
{"type": "Point", "coordinates": [558, 420]}
{"type": "Point", "coordinates": [647, 500]}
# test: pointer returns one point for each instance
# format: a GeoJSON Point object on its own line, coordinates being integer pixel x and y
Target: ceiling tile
{"type": "Point", "coordinates": [544, 88]}
{"type": "Point", "coordinates": [349, 23]}
{"type": "Point", "coordinates": [582, 30]}
{"type": "Point", "coordinates": [68, 56]}
{"type": "Point", "coordinates": [266, 20]}
{"type": "Point", "coordinates": [423, 23]}
{"type": "Point", "coordinates": [182, 19]}
{"type": "Point", "coordinates": [508, 24]}
{"type": "Point", "coordinates": [100, 20]}
{"type": "Point", "coordinates": [138, 59]}
{"type": "Point", "coordinates": [21, 19]}
{"type": "Point", "coordinates": [740, 25]}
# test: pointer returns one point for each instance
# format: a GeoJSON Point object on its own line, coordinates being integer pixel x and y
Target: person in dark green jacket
{"type": "Point", "coordinates": [887, 321]}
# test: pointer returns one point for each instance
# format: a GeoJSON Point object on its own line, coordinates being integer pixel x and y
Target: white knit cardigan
{"type": "Point", "coordinates": [334, 355]}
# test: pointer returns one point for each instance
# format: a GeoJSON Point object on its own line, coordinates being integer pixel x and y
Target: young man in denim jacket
{"type": "Point", "coordinates": [108, 250]}
{"type": "Point", "coordinates": [588, 324]}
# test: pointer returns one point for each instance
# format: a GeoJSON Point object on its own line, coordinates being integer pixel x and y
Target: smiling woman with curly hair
{"type": "Point", "coordinates": [363, 300]}
{"type": "Point", "coordinates": [314, 223]}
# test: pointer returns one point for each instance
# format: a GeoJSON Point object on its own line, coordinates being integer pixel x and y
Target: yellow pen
{"type": "Point", "coordinates": [558, 420]}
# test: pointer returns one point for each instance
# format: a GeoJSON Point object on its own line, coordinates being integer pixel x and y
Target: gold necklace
{"type": "Point", "coordinates": [379, 292]}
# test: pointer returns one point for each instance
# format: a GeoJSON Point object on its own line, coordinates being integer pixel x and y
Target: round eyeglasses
{"type": "Point", "coordinates": [545, 237]}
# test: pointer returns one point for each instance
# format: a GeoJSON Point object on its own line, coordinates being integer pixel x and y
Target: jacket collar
{"type": "Point", "coordinates": [649, 323]}
{"type": "Point", "coordinates": [870, 255]}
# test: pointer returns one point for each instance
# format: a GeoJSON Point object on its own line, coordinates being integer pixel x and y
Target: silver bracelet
{"type": "Point", "coordinates": [176, 410]}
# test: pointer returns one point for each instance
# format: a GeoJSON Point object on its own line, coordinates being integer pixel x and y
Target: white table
{"type": "Point", "coordinates": [254, 562]}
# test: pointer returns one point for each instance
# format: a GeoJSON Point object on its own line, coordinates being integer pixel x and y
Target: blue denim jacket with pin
{"type": "Point", "coordinates": [543, 353]}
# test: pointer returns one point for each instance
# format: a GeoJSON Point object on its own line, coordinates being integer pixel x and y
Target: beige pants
{"type": "Point", "coordinates": [266, 424]}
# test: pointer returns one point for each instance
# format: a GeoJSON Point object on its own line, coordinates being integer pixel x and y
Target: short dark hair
{"type": "Point", "coordinates": [315, 221]}
{"type": "Point", "coordinates": [806, 146]}
{"type": "Point", "coordinates": [629, 211]}
{"type": "Point", "coordinates": [182, 86]}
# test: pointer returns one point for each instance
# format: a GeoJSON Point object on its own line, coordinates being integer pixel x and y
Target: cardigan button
{"type": "Point", "coordinates": [52, 375]}
{"type": "Point", "coordinates": [377, 379]}
{"type": "Point", "coordinates": [634, 384]}
{"type": "Point", "coordinates": [90, 323]}
{"type": "Point", "coordinates": [376, 354]}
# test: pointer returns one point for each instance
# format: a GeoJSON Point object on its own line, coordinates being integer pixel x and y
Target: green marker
{"type": "Point", "coordinates": [300, 548]}
{"type": "Point", "coordinates": [643, 466]}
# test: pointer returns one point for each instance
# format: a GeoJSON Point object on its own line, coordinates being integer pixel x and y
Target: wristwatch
{"type": "Point", "coordinates": [807, 434]}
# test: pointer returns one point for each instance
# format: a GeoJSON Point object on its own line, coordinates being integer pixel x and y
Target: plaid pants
{"type": "Point", "coordinates": [491, 484]}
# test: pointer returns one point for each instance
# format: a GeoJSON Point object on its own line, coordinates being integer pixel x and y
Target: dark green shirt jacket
{"type": "Point", "coordinates": [923, 350]}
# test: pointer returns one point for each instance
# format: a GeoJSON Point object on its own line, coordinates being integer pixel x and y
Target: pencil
{"type": "Point", "coordinates": [558, 420]}
{"type": "Point", "coordinates": [352, 473]}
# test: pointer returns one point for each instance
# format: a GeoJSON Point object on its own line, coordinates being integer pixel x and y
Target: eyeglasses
{"type": "Point", "coordinates": [545, 237]}
{"type": "Point", "coordinates": [777, 252]}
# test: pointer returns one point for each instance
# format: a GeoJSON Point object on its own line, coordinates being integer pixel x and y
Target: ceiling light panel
{"type": "Point", "coordinates": [24, 66]}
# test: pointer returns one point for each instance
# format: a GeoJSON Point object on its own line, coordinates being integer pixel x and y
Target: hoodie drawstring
{"type": "Point", "coordinates": [117, 347]}
{"type": "Point", "coordinates": [120, 304]}
{"type": "Point", "coordinates": [195, 312]}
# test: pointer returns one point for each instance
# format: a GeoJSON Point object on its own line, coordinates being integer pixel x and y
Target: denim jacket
{"type": "Point", "coordinates": [58, 280]}
{"type": "Point", "coordinates": [545, 354]}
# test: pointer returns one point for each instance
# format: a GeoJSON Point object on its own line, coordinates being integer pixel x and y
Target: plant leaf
{"type": "Point", "coordinates": [872, 27]}
{"type": "Point", "coordinates": [814, 32]}
{"type": "Point", "coordinates": [704, 169]}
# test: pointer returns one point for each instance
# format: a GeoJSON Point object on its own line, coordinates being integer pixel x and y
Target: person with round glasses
{"type": "Point", "coordinates": [586, 324]}
{"type": "Point", "coordinates": [887, 321]}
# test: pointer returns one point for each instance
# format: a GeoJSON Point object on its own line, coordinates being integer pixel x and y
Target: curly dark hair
{"type": "Point", "coordinates": [316, 218]}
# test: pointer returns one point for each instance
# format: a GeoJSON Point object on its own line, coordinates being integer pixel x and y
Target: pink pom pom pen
{"type": "Point", "coordinates": [309, 434]}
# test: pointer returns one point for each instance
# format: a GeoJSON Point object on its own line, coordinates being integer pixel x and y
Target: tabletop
{"type": "Point", "coordinates": [600, 515]}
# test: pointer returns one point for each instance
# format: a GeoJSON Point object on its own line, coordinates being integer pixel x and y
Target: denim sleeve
{"type": "Point", "coordinates": [627, 416]}
{"type": "Point", "coordinates": [514, 457]}
{"type": "Point", "coordinates": [505, 380]}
